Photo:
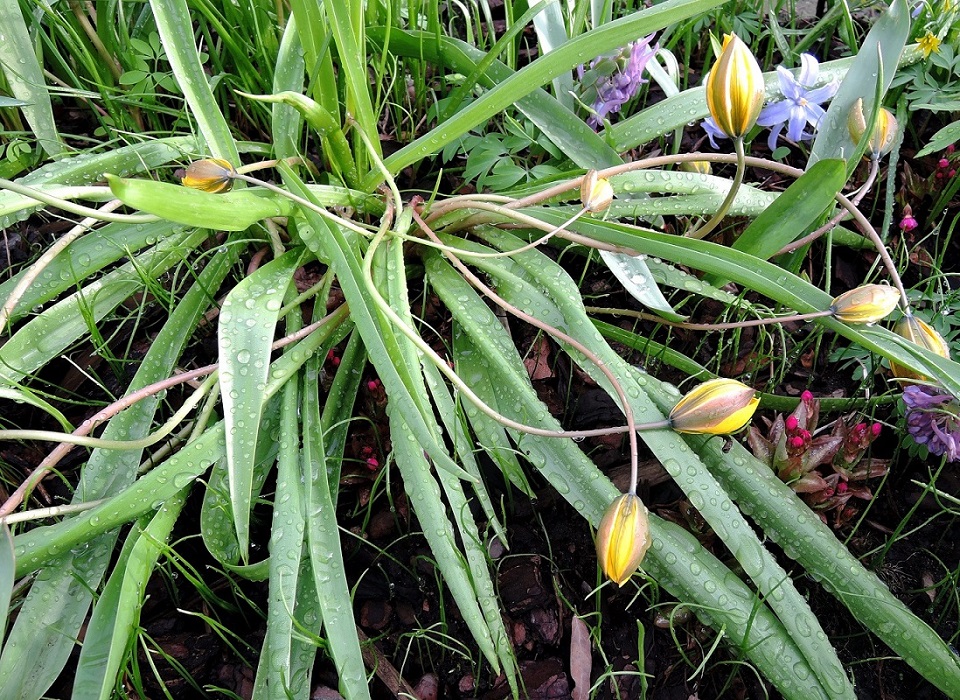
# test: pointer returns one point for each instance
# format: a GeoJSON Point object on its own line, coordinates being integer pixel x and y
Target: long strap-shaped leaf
{"type": "Point", "coordinates": [24, 75]}
{"type": "Point", "coordinates": [248, 320]}
{"type": "Point", "coordinates": [786, 519]}
{"type": "Point", "coordinates": [561, 307]}
{"type": "Point", "coordinates": [46, 336]}
{"type": "Point", "coordinates": [175, 26]}
{"type": "Point", "coordinates": [116, 616]}
{"type": "Point", "coordinates": [379, 339]}
{"type": "Point", "coordinates": [687, 569]}
{"type": "Point", "coordinates": [466, 570]}
{"type": "Point", "coordinates": [43, 544]}
{"type": "Point", "coordinates": [768, 279]}
{"type": "Point", "coordinates": [53, 613]}
{"type": "Point", "coordinates": [323, 544]}
{"type": "Point", "coordinates": [571, 54]}
{"type": "Point", "coordinates": [565, 129]}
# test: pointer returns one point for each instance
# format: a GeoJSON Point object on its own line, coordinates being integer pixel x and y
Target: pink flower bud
{"type": "Point", "coordinates": [842, 487]}
{"type": "Point", "coordinates": [943, 163]}
{"type": "Point", "coordinates": [791, 423]}
{"type": "Point", "coordinates": [806, 396]}
{"type": "Point", "coordinates": [373, 463]}
{"type": "Point", "coordinates": [875, 430]}
{"type": "Point", "coordinates": [372, 385]}
{"type": "Point", "coordinates": [796, 442]}
{"type": "Point", "coordinates": [908, 223]}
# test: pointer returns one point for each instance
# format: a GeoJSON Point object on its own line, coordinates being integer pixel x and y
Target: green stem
{"type": "Point", "coordinates": [731, 195]}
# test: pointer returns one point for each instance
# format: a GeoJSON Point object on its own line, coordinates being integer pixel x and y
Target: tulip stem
{"type": "Point", "coordinates": [631, 427]}
{"type": "Point", "coordinates": [710, 326]}
{"type": "Point", "coordinates": [699, 233]}
{"type": "Point", "coordinates": [855, 201]}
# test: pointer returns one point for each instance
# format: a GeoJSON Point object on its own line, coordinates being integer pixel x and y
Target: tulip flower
{"type": "Point", "coordinates": [210, 175]}
{"type": "Point", "coordinates": [623, 538]}
{"type": "Point", "coordinates": [735, 88]}
{"type": "Point", "coordinates": [716, 407]}
{"type": "Point", "coordinates": [884, 132]}
{"type": "Point", "coordinates": [919, 333]}
{"type": "Point", "coordinates": [596, 193]}
{"type": "Point", "coordinates": [867, 304]}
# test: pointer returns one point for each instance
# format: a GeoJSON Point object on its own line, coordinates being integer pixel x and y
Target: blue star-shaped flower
{"type": "Point", "coordinates": [801, 103]}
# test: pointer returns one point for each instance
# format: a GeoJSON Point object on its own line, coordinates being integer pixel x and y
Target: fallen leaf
{"type": "Point", "coordinates": [581, 658]}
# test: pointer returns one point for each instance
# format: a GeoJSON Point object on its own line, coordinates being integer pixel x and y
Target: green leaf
{"type": "Point", "coordinates": [175, 25]}
{"type": "Point", "coordinates": [116, 616]}
{"type": "Point", "coordinates": [7, 567]}
{"type": "Point", "coordinates": [247, 322]}
{"type": "Point", "coordinates": [232, 211]}
{"type": "Point", "coordinates": [326, 553]}
{"type": "Point", "coordinates": [544, 69]}
{"type": "Point", "coordinates": [48, 334]}
{"type": "Point", "coordinates": [882, 48]}
{"type": "Point", "coordinates": [24, 75]}
{"type": "Point", "coordinates": [940, 140]}
{"type": "Point", "coordinates": [793, 213]}
{"type": "Point", "coordinates": [635, 277]}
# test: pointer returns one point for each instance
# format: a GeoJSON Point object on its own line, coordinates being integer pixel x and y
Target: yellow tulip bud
{"type": "Point", "coordinates": [735, 88]}
{"type": "Point", "coordinates": [919, 333]}
{"type": "Point", "coordinates": [210, 175]}
{"type": "Point", "coordinates": [883, 135]}
{"type": "Point", "coordinates": [596, 193]}
{"type": "Point", "coordinates": [867, 304]}
{"type": "Point", "coordinates": [696, 166]}
{"type": "Point", "coordinates": [716, 407]}
{"type": "Point", "coordinates": [623, 538]}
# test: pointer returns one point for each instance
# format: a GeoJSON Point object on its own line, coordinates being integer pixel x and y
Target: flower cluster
{"type": "Point", "coordinates": [828, 470]}
{"type": "Point", "coordinates": [933, 420]}
{"type": "Point", "coordinates": [799, 108]}
{"type": "Point", "coordinates": [611, 81]}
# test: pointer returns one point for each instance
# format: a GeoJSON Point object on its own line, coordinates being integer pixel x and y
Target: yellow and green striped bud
{"type": "Point", "coordinates": [884, 132]}
{"type": "Point", "coordinates": [210, 175]}
{"type": "Point", "coordinates": [596, 193]}
{"type": "Point", "coordinates": [735, 88]}
{"type": "Point", "coordinates": [623, 538]}
{"type": "Point", "coordinates": [867, 304]}
{"type": "Point", "coordinates": [920, 333]}
{"type": "Point", "coordinates": [716, 407]}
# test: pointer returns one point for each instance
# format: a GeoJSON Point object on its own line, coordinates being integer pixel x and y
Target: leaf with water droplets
{"type": "Point", "coordinates": [247, 323]}
{"type": "Point", "coordinates": [635, 277]}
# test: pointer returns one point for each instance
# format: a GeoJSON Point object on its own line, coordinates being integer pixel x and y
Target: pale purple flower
{"type": "Point", "coordinates": [801, 104]}
{"type": "Point", "coordinates": [613, 80]}
{"type": "Point", "coordinates": [714, 132]}
{"type": "Point", "coordinates": [932, 420]}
